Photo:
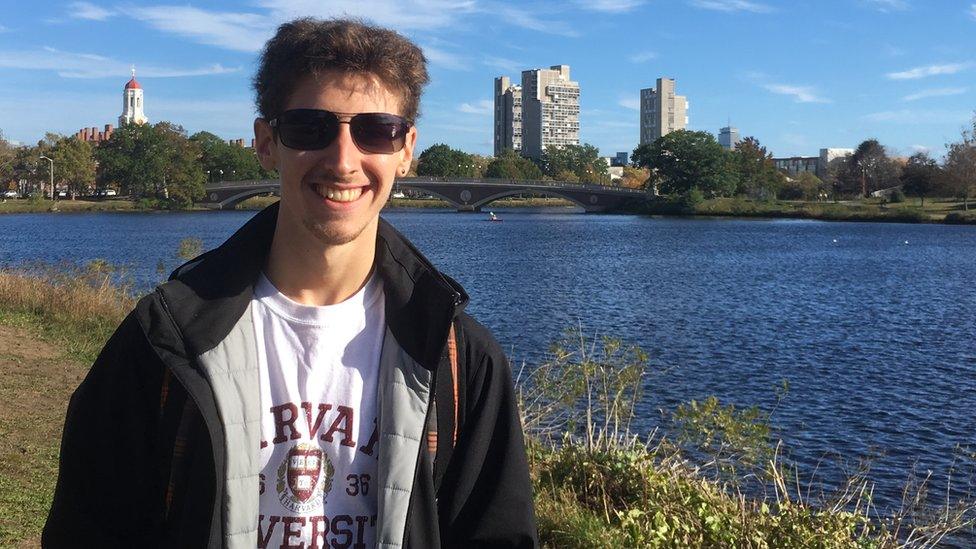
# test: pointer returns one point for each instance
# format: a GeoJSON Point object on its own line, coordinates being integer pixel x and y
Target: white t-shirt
{"type": "Point", "coordinates": [319, 369]}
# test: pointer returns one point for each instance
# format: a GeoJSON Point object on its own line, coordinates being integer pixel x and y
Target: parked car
{"type": "Point", "coordinates": [11, 194]}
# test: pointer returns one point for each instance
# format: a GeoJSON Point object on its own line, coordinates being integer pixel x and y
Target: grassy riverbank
{"type": "Point", "coordinates": [23, 205]}
{"type": "Point", "coordinates": [910, 211]}
{"type": "Point", "coordinates": [595, 485]}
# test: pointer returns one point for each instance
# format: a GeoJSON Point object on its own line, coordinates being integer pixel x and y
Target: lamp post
{"type": "Point", "coordinates": [51, 172]}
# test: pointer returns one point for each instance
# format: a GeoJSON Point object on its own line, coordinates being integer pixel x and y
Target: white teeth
{"type": "Point", "coordinates": [339, 195]}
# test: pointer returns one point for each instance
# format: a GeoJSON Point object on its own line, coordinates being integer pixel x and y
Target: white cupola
{"type": "Point", "coordinates": [132, 103]}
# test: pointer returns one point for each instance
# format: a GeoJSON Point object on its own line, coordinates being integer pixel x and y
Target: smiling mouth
{"type": "Point", "coordinates": [336, 194]}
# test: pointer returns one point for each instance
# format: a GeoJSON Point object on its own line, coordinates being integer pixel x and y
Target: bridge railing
{"type": "Point", "coordinates": [520, 183]}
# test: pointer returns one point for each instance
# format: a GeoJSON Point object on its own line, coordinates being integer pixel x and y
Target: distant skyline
{"type": "Point", "coordinates": [797, 75]}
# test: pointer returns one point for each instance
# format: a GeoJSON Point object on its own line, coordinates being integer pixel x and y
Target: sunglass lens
{"type": "Point", "coordinates": [378, 132]}
{"type": "Point", "coordinates": [306, 129]}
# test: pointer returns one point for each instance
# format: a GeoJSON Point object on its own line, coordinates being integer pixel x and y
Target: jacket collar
{"type": "Point", "coordinates": [207, 295]}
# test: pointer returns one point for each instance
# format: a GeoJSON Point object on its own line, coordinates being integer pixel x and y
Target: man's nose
{"type": "Point", "coordinates": [342, 155]}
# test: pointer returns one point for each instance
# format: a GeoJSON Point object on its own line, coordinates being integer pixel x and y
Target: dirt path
{"type": "Point", "coordinates": [36, 382]}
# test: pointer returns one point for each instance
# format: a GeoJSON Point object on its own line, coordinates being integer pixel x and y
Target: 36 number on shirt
{"type": "Point", "coordinates": [358, 484]}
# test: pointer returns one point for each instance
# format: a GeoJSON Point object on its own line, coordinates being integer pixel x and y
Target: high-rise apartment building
{"type": "Point", "coordinates": [661, 111]}
{"type": "Point", "coordinates": [550, 110]}
{"type": "Point", "coordinates": [728, 137]}
{"type": "Point", "coordinates": [508, 116]}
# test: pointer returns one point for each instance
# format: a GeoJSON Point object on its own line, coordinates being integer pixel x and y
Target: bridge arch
{"type": "Point", "coordinates": [233, 200]}
{"type": "Point", "coordinates": [435, 194]}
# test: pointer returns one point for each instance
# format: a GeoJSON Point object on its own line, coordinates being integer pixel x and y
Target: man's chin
{"type": "Point", "coordinates": [332, 234]}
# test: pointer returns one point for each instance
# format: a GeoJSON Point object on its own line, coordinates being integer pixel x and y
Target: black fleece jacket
{"type": "Point", "coordinates": [141, 456]}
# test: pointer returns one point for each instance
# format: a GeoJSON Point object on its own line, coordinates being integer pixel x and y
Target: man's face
{"type": "Point", "coordinates": [358, 182]}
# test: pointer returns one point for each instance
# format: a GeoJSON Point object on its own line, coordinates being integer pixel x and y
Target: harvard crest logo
{"type": "Point", "coordinates": [304, 478]}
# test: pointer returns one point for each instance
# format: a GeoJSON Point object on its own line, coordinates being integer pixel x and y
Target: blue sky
{"type": "Point", "coordinates": [798, 75]}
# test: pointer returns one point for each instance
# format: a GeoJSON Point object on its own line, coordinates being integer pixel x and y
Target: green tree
{"type": "Point", "coordinates": [183, 175]}
{"type": "Point", "coordinates": [805, 186]}
{"type": "Point", "coordinates": [960, 166]}
{"type": "Point", "coordinates": [74, 165]}
{"type": "Point", "coordinates": [682, 160]}
{"type": "Point", "coordinates": [757, 174]}
{"type": "Point", "coordinates": [581, 160]}
{"type": "Point", "coordinates": [920, 176]}
{"type": "Point", "coordinates": [154, 161]}
{"type": "Point", "coordinates": [441, 160]}
{"type": "Point", "coordinates": [509, 165]}
{"type": "Point", "coordinates": [222, 161]}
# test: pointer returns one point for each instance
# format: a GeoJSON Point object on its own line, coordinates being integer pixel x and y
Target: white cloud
{"type": "Point", "coordinates": [801, 94]}
{"type": "Point", "coordinates": [920, 117]}
{"type": "Point", "coordinates": [643, 57]}
{"type": "Point", "coordinates": [731, 5]}
{"type": "Point", "coordinates": [929, 70]}
{"type": "Point", "coordinates": [87, 65]}
{"type": "Point", "coordinates": [886, 6]}
{"type": "Point", "coordinates": [234, 31]}
{"type": "Point", "coordinates": [397, 14]}
{"type": "Point", "coordinates": [526, 20]}
{"type": "Point", "coordinates": [632, 103]}
{"type": "Point", "coordinates": [445, 58]}
{"type": "Point", "coordinates": [86, 10]}
{"type": "Point", "coordinates": [936, 92]}
{"type": "Point", "coordinates": [609, 6]}
{"type": "Point", "coordinates": [482, 106]}
{"type": "Point", "coordinates": [3, 28]}
{"type": "Point", "coordinates": [508, 65]}
{"type": "Point", "coordinates": [972, 11]}
{"type": "Point", "coordinates": [922, 149]}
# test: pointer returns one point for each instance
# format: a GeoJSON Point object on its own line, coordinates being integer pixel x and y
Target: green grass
{"type": "Point", "coordinates": [23, 205]}
{"type": "Point", "coordinates": [910, 211]}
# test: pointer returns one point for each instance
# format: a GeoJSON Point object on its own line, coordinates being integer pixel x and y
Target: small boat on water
{"type": "Point", "coordinates": [493, 217]}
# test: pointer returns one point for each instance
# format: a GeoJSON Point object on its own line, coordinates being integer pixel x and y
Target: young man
{"type": "Point", "coordinates": [314, 381]}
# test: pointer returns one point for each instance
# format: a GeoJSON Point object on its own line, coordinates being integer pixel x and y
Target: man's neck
{"type": "Point", "coordinates": [311, 272]}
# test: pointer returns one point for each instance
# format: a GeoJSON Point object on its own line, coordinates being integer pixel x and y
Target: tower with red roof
{"type": "Point", "coordinates": [132, 112]}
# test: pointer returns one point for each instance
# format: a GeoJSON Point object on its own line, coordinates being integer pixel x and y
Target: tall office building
{"type": "Point", "coordinates": [550, 110]}
{"type": "Point", "coordinates": [661, 111]}
{"type": "Point", "coordinates": [508, 115]}
{"type": "Point", "coordinates": [728, 137]}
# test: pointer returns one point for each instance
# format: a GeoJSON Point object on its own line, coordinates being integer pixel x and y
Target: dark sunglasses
{"type": "Point", "coordinates": [314, 129]}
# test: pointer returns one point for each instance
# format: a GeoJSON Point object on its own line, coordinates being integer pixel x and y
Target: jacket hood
{"type": "Point", "coordinates": [207, 295]}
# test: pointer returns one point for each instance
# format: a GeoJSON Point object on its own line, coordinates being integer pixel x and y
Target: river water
{"type": "Point", "coordinates": [872, 324]}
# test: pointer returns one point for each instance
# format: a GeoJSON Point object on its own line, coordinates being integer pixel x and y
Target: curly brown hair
{"type": "Point", "coordinates": [310, 46]}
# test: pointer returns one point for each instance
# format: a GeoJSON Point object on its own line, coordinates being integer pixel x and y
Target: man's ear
{"type": "Point", "coordinates": [265, 145]}
{"type": "Point", "coordinates": [409, 141]}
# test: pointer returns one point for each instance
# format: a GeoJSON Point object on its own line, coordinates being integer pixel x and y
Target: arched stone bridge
{"type": "Point", "coordinates": [466, 195]}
